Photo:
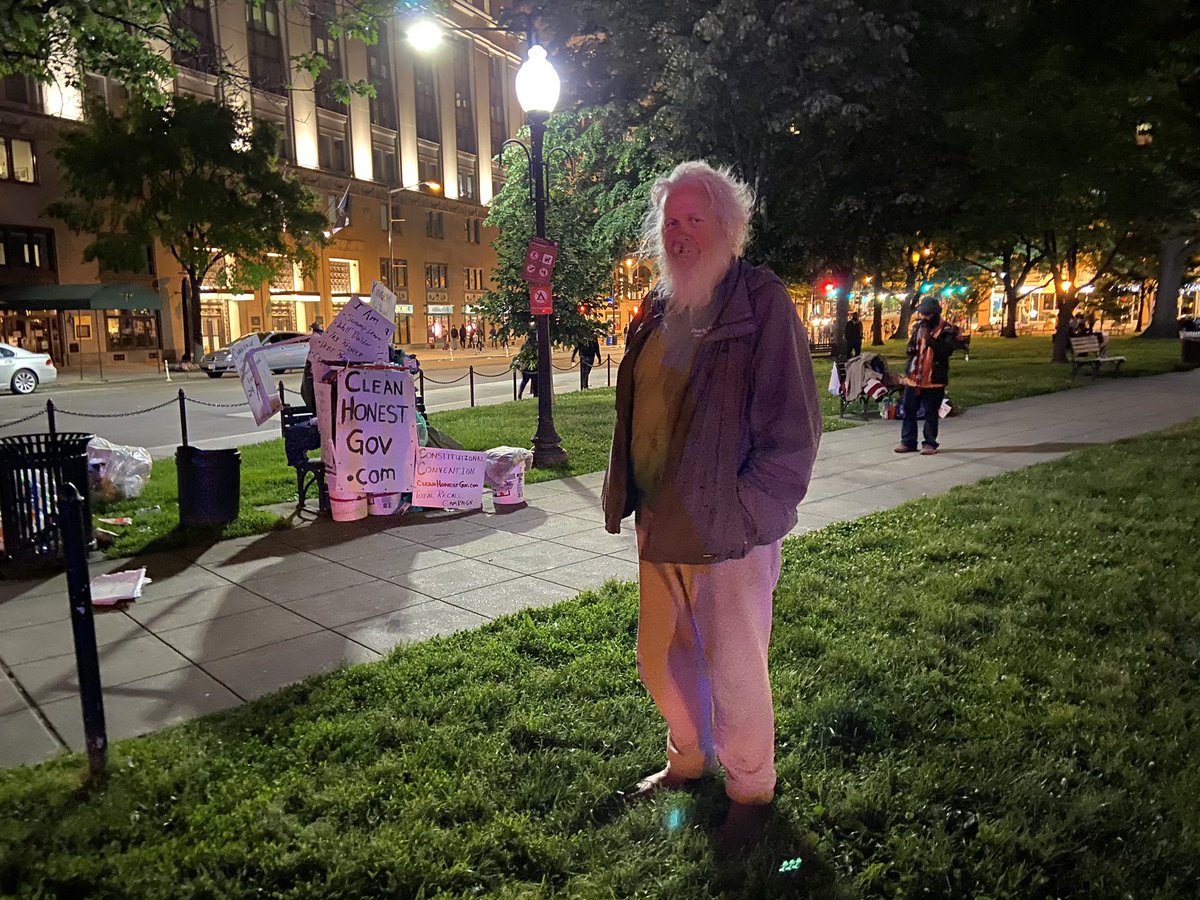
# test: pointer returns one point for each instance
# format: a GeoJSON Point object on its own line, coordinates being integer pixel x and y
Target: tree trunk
{"type": "Point", "coordinates": [1011, 300]}
{"type": "Point", "coordinates": [1062, 327]}
{"type": "Point", "coordinates": [192, 319]}
{"type": "Point", "coordinates": [908, 304]}
{"type": "Point", "coordinates": [877, 311]}
{"type": "Point", "coordinates": [843, 280]}
{"type": "Point", "coordinates": [1172, 256]}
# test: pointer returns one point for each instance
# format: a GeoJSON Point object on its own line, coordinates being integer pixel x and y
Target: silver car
{"type": "Point", "coordinates": [279, 356]}
{"type": "Point", "coordinates": [23, 370]}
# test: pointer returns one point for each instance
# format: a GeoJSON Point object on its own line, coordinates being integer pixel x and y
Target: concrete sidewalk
{"type": "Point", "coordinates": [228, 623]}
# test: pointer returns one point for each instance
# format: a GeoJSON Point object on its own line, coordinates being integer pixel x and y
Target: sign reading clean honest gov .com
{"type": "Point", "coordinates": [375, 433]}
{"type": "Point", "coordinates": [449, 479]}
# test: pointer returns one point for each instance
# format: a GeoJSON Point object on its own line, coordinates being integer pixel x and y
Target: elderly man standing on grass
{"type": "Point", "coordinates": [717, 430]}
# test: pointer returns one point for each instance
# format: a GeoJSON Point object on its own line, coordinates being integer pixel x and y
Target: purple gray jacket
{"type": "Point", "coordinates": [742, 462]}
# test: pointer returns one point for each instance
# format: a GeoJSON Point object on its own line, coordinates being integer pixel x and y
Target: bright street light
{"type": "Point", "coordinates": [537, 83]}
{"type": "Point", "coordinates": [424, 34]}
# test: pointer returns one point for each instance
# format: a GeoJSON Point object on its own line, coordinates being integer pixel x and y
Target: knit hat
{"type": "Point", "coordinates": [929, 307]}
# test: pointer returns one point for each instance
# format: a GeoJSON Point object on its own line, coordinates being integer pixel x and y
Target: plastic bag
{"type": "Point", "coordinates": [835, 383]}
{"type": "Point", "coordinates": [116, 471]}
{"type": "Point", "coordinates": [501, 461]}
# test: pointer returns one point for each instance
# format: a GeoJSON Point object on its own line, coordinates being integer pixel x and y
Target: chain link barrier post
{"type": "Point", "coordinates": [471, 383]}
{"type": "Point", "coordinates": [83, 629]}
{"type": "Point", "coordinates": [610, 370]}
{"type": "Point", "coordinates": [183, 418]}
{"type": "Point", "coordinates": [50, 424]}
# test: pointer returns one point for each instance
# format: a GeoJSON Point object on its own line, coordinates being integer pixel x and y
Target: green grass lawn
{"type": "Point", "coordinates": [997, 370]}
{"type": "Point", "coordinates": [987, 694]}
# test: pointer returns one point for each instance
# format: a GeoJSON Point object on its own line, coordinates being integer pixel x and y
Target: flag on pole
{"type": "Point", "coordinates": [341, 212]}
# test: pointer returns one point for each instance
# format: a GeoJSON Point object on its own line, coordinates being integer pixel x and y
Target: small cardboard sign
{"type": "Point", "coordinates": [383, 301]}
{"type": "Point", "coordinates": [375, 432]}
{"type": "Point", "coordinates": [539, 261]}
{"type": "Point", "coordinates": [449, 479]}
{"type": "Point", "coordinates": [256, 377]}
{"type": "Point", "coordinates": [541, 300]}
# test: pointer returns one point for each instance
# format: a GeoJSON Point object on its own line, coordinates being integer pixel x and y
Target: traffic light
{"type": "Point", "coordinates": [830, 288]}
{"type": "Point", "coordinates": [582, 309]}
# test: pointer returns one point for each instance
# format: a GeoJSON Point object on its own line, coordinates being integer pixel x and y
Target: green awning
{"type": "Point", "coordinates": [80, 296]}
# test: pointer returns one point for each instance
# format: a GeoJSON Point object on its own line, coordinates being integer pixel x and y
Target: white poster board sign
{"type": "Point", "coordinates": [357, 334]}
{"type": "Point", "coordinates": [449, 479]}
{"type": "Point", "coordinates": [383, 301]}
{"type": "Point", "coordinates": [256, 377]}
{"type": "Point", "coordinates": [375, 432]}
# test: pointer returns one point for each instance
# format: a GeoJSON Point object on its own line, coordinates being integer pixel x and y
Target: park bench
{"type": "Point", "coordinates": [861, 406]}
{"type": "Point", "coordinates": [300, 435]}
{"type": "Point", "coordinates": [1085, 351]}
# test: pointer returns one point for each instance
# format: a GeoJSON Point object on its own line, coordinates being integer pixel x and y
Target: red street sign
{"type": "Point", "coordinates": [539, 261]}
{"type": "Point", "coordinates": [541, 300]}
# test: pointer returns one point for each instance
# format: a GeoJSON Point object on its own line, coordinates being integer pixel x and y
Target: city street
{"type": "Point", "coordinates": [233, 426]}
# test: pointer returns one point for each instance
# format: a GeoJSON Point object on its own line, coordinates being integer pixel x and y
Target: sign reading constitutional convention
{"type": "Point", "coordinates": [375, 431]}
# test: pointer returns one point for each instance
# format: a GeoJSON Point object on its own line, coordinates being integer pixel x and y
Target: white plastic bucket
{"type": "Point", "coordinates": [383, 504]}
{"type": "Point", "coordinates": [348, 508]}
{"type": "Point", "coordinates": [512, 491]}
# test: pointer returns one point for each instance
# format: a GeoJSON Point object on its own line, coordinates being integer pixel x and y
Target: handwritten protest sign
{"type": "Point", "coordinates": [357, 334]}
{"type": "Point", "coordinates": [449, 479]}
{"type": "Point", "coordinates": [256, 377]}
{"type": "Point", "coordinates": [375, 432]}
{"type": "Point", "coordinates": [383, 301]}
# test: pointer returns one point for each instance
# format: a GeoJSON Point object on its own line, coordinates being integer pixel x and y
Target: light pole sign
{"type": "Point", "coordinates": [539, 261]}
{"type": "Point", "coordinates": [541, 300]}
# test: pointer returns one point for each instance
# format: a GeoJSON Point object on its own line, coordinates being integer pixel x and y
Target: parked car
{"type": "Point", "coordinates": [23, 370]}
{"type": "Point", "coordinates": [280, 356]}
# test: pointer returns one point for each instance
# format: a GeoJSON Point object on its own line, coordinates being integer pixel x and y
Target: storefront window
{"type": "Point", "coordinates": [130, 329]}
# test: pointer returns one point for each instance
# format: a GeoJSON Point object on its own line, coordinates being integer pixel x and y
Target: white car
{"type": "Point", "coordinates": [280, 356]}
{"type": "Point", "coordinates": [23, 370]}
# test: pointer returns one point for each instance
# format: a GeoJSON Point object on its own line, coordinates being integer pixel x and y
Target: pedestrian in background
{"type": "Point", "coordinates": [932, 342]}
{"type": "Point", "coordinates": [588, 352]}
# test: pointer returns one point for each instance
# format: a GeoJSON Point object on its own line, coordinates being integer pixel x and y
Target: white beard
{"type": "Point", "coordinates": [691, 286]}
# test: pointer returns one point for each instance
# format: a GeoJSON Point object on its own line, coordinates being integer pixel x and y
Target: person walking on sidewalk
{"type": "Point", "coordinates": [589, 354]}
{"type": "Point", "coordinates": [718, 423]}
{"type": "Point", "coordinates": [526, 362]}
{"type": "Point", "coordinates": [933, 340]}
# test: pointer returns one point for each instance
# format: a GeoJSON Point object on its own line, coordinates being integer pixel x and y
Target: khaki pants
{"type": "Point", "coordinates": [703, 634]}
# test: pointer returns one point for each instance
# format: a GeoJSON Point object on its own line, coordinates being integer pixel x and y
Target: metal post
{"type": "Point", "coordinates": [471, 382]}
{"type": "Point", "coordinates": [547, 445]}
{"type": "Point", "coordinates": [514, 384]}
{"type": "Point", "coordinates": [83, 628]}
{"type": "Point", "coordinates": [50, 416]}
{"type": "Point", "coordinates": [183, 418]}
{"type": "Point", "coordinates": [610, 370]}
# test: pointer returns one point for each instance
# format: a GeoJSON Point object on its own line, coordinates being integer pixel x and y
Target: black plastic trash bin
{"type": "Point", "coordinates": [1191, 347]}
{"type": "Point", "coordinates": [33, 467]}
{"type": "Point", "coordinates": [210, 485]}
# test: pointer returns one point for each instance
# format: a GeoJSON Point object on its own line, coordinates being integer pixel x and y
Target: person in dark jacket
{"type": "Point", "coordinates": [589, 354]}
{"type": "Point", "coordinates": [718, 423]}
{"type": "Point", "coordinates": [854, 336]}
{"type": "Point", "coordinates": [933, 340]}
{"type": "Point", "coordinates": [526, 362]}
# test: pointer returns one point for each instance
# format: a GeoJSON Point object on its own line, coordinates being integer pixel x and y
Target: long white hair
{"type": "Point", "coordinates": [731, 198]}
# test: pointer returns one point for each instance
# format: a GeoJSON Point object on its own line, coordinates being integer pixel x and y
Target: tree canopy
{"type": "Point", "coordinates": [201, 179]}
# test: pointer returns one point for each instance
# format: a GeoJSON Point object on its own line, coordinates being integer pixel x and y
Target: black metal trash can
{"type": "Point", "coordinates": [210, 485]}
{"type": "Point", "coordinates": [32, 469]}
{"type": "Point", "coordinates": [1191, 347]}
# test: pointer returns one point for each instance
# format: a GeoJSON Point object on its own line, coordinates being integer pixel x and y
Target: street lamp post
{"type": "Point", "coordinates": [537, 92]}
{"type": "Point", "coordinates": [392, 220]}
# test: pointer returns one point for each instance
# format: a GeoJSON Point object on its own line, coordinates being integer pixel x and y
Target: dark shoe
{"type": "Point", "coordinates": [904, 448]}
{"type": "Point", "coordinates": [744, 826]}
{"type": "Point", "coordinates": [928, 450]}
{"type": "Point", "coordinates": [662, 780]}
